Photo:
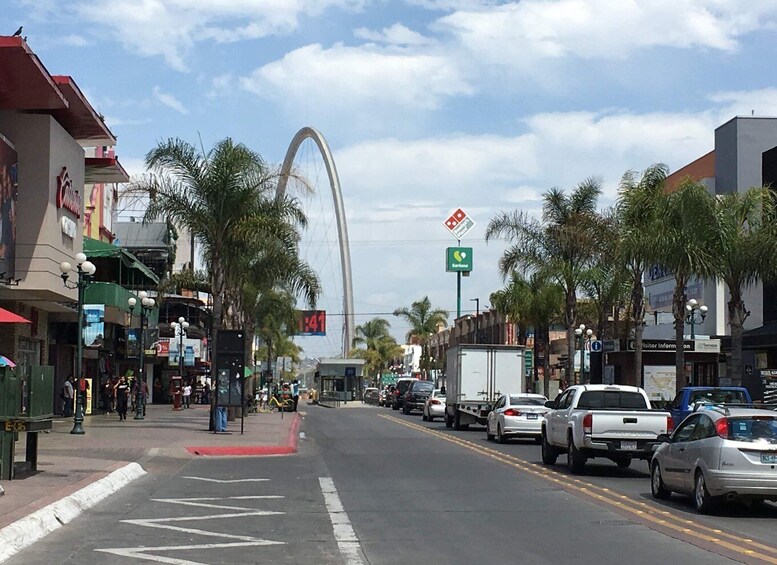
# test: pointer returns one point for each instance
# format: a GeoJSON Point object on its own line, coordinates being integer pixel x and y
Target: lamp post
{"type": "Point", "coordinates": [583, 334]}
{"type": "Point", "coordinates": [146, 305]}
{"type": "Point", "coordinates": [85, 271]}
{"type": "Point", "coordinates": [180, 328]}
{"type": "Point", "coordinates": [694, 308]}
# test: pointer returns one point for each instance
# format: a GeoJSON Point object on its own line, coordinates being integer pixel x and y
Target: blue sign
{"type": "Point", "coordinates": [596, 345]}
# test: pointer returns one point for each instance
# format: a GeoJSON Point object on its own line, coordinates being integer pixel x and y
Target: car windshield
{"type": "Point", "coordinates": [592, 399]}
{"type": "Point", "coordinates": [402, 386]}
{"type": "Point", "coordinates": [423, 387]}
{"type": "Point", "coordinates": [527, 401]}
{"type": "Point", "coordinates": [753, 428]}
{"type": "Point", "coordinates": [718, 396]}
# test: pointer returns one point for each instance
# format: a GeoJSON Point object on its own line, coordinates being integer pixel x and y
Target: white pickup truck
{"type": "Point", "coordinates": [610, 421]}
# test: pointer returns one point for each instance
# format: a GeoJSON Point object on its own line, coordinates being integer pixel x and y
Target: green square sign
{"type": "Point", "coordinates": [459, 259]}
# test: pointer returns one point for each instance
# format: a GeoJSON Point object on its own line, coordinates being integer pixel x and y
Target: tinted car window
{"type": "Point", "coordinates": [422, 386]}
{"type": "Point", "coordinates": [524, 401]}
{"type": "Point", "coordinates": [402, 386]}
{"type": "Point", "coordinates": [718, 396]}
{"type": "Point", "coordinates": [753, 429]}
{"type": "Point", "coordinates": [685, 430]}
{"type": "Point", "coordinates": [704, 429]}
{"type": "Point", "coordinates": [593, 399]}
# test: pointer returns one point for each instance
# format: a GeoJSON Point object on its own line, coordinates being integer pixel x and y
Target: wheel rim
{"type": "Point", "coordinates": [656, 479]}
{"type": "Point", "coordinates": [700, 491]}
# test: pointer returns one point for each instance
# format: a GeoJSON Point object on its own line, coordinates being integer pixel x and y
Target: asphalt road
{"type": "Point", "coordinates": [372, 486]}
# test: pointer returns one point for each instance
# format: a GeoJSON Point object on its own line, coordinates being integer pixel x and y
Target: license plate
{"type": "Point", "coordinates": [768, 458]}
{"type": "Point", "coordinates": [630, 445]}
{"type": "Point", "coordinates": [531, 416]}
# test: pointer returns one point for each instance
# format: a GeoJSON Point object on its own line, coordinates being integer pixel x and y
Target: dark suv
{"type": "Point", "coordinates": [399, 391]}
{"type": "Point", "coordinates": [416, 396]}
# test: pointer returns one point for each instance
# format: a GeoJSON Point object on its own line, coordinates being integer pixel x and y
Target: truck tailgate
{"type": "Point", "coordinates": [628, 424]}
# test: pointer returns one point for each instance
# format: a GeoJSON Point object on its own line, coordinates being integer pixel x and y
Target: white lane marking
{"type": "Point", "coordinates": [349, 545]}
{"type": "Point", "coordinates": [201, 502]}
{"type": "Point", "coordinates": [225, 481]}
{"type": "Point", "coordinates": [141, 552]}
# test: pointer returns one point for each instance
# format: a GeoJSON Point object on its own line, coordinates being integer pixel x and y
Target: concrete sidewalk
{"type": "Point", "coordinates": [69, 463]}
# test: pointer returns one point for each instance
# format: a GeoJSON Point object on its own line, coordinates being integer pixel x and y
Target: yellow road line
{"type": "Point", "coordinates": [658, 516]}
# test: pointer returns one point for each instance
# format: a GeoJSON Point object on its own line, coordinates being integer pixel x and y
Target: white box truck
{"type": "Point", "coordinates": [476, 376]}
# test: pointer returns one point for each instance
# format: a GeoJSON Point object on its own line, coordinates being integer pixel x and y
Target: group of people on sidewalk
{"type": "Point", "coordinates": [120, 394]}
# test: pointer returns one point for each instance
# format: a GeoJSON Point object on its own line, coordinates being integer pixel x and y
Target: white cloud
{"type": "Point", "coordinates": [170, 101]}
{"type": "Point", "coordinates": [346, 80]}
{"type": "Point", "coordinates": [74, 40]}
{"type": "Point", "coordinates": [761, 102]}
{"type": "Point", "coordinates": [397, 34]}
{"type": "Point", "coordinates": [519, 33]}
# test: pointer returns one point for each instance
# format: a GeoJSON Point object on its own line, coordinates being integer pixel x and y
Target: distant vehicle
{"type": "Point", "coordinates": [434, 407]}
{"type": "Point", "coordinates": [610, 421]}
{"type": "Point", "coordinates": [416, 395]}
{"type": "Point", "coordinates": [382, 397]}
{"type": "Point", "coordinates": [400, 389]}
{"type": "Point", "coordinates": [683, 403]}
{"type": "Point", "coordinates": [477, 376]}
{"type": "Point", "coordinates": [717, 454]}
{"type": "Point", "coordinates": [517, 415]}
{"type": "Point", "coordinates": [371, 395]}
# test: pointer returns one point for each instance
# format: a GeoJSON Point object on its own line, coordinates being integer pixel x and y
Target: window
{"type": "Point", "coordinates": [684, 432]}
{"type": "Point", "coordinates": [527, 401]}
{"type": "Point", "coordinates": [568, 399]}
{"type": "Point", "coordinates": [501, 403]}
{"type": "Point", "coordinates": [704, 428]}
{"type": "Point", "coordinates": [596, 399]}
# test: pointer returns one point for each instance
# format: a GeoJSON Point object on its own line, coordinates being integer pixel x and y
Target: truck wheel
{"type": "Point", "coordinates": [549, 453]}
{"type": "Point", "coordinates": [702, 499]}
{"type": "Point", "coordinates": [448, 420]}
{"type": "Point", "coordinates": [575, 459]}
{"type": "Point", "coordinates": [657, 487]}
{"type": "Point", "coordinates": [457, 422]}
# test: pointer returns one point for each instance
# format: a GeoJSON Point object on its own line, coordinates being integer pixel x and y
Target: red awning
{"type": "Point", "coordinates": [8, 317]}
{"type": "Point", "coordinates": [104, 170]}
{"type": "Point", "coordinates": [80, 120]}
{"type": "Point", "coordinates": [25, 84]}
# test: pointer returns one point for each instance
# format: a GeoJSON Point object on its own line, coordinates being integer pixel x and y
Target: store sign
{"type": "Point", "coordinates": [67, 196]}
{"type": "Point", "coordinates": [69, 227]}
{"type": "Point", "coordinates": [458, 259]}
{"type": "Point", "coordinates": [697, 346]}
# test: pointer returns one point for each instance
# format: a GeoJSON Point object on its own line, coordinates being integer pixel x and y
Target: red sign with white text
{"type": "Point", "coordinates": [67, 196]}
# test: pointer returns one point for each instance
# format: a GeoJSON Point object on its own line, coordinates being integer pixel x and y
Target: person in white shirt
{"type": "Point", "coordinates": [187, 393]}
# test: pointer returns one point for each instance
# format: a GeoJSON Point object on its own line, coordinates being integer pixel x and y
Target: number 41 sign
{"type": "Point", "coordinates": [312, 322]}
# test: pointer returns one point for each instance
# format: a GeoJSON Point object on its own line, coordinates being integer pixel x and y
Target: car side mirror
{"type": "Point", "coordinates": [664, 438]}
{"type": "Point", "coordinates": [550, 404]}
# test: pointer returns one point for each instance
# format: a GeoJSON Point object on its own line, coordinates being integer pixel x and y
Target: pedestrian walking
{"type": "Point", "coordinates": [106, 394]}
{"type": "Point", "coordinates": [68, 394]}
{"type": "Point", "coordinates": [295, 393]}
{"type": "Point", "coordinates": [122, 392]}
{"type": "Point", "coordinates": [187, 394]}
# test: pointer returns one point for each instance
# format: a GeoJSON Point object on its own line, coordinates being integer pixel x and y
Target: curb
{"type": "Point", "coordinates": [26, 531]}
{"type": "Point", "coordinates": [253, 450]}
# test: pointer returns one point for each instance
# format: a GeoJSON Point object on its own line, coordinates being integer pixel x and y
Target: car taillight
{"type": "Point", "coordinates": [513, 412]}
{"type": "Point", "coordinates": [435, 402]}
{"type": "Point", "coordinates": [721, 426]}
{"type": "Point", "coordinates": [588, 423]}
{"type": "Point", "coordinates": [669, 424]}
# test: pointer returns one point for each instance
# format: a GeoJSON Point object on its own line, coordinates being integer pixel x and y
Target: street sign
{"type": "Point", "coordinates": [528, 359]}
{"type": "Point", "coordinates": [596, 345]}
{"type": "Point", "coordinates": [459, 223]}
{"type": "Point", "coordinates": [459, 259]}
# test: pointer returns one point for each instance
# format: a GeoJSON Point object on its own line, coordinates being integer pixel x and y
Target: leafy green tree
{"type": "Point", "coordinates": [379, 346]}
{"type": "Point", "coordinates": [423, 321]}
{"type": "Point", "coordinates": [559, 247]}
{"type": "Point", "coordinates": [745, 245]}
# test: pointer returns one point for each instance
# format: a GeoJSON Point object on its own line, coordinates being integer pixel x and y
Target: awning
{"type": "Point", "coordinates": [95, 249]}
{"type": "Point", "coordinates": [25, 84]}
{"type": "Point", "coordinates": [104, 170]}
{"type": "Point", "coordinates": [80, 120]}
{"type": "Point", "coordinates": [8, 317]}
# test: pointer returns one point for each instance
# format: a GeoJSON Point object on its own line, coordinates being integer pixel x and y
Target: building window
{"type": "Point", "coordinates": [29, 352]}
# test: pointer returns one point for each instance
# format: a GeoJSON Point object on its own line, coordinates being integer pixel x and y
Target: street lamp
{"type": "Point", "coordinates": [146, 305]}
{"type": "Point", "coordinates": [694, 308]}
{"type": "Point", "coordinates": [85, 271]}
{"type": "Point", "coordinates": [584, 334]}
{"type": "Point", "coordinates": [180, 328]}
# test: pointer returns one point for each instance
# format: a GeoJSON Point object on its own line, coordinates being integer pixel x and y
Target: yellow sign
{"type": "Point", "coordinates": [11, 426]}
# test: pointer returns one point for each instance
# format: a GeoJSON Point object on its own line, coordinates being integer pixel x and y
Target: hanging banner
{"type": "Point", "coordinates": [94, 325]}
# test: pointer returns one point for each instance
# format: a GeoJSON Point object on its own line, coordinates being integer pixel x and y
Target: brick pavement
{"type": "Point", "coordinates": [68, 463]}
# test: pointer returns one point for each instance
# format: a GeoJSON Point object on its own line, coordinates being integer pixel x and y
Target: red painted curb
{"type": "Point", "coordinates": [253, 450]}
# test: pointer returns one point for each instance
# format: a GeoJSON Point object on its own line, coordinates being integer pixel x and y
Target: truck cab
{"type": "Point", "coordinates": [687, 397]}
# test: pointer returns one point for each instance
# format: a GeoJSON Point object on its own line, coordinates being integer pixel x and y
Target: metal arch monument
{"type": "Point", "coordinates": [342, 227]}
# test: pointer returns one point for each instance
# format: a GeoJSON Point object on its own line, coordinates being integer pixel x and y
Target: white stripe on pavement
{"type": "Point", "coordinates": [346, 538]}
{"type": "Point", "coordinates": [225, 481]}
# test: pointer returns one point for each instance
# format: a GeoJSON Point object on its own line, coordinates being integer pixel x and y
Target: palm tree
{"type": "Point", "coordinates": [423, 321]}
{"type": "Point", "coordinates": [539, 304]}
{"type": "Point", "coordinates": [557, 248]}
{"type": "Point", "coordinates": [638, 222]}
{"type": "Point", "coordinates": [745, 243]}
{"type": "Point", "coordinates": [380, 347]}
{"type": "Point", "coordinates": [684, 244]}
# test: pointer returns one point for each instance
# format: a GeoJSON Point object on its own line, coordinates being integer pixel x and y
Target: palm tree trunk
{"type": "Point", "coordinates": [678, 309]}
{"type": "Point", "coordinates": [571, 312]}
{"type": "Point", "coordinates": [736, 316]}
{"type": "Point", "coordinates": [217, 287]}
{"type": "Point", "coordinates": [638, 313]}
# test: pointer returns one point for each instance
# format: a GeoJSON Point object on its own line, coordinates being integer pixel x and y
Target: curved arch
{"type": "Point", "coordinates": [342, 228]}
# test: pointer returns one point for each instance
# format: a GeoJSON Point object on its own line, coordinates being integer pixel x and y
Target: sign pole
{"type": "Point", "coordinates": [458, 290]}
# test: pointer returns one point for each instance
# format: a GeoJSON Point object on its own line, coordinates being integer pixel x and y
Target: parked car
{"type": "Point", "coordinates": [434, 407]}
{"type": "Point", "coordinates": [371, 395]}
{"type": "Point", "coordinates": [416, 395]}
{"type": "Point", "coordinates": [400, 388]}
{"type": "Point", "coordinates": [687, 397]}
{"type": "Point", "coordinates": [718, 453]}
{"type": "Point", "coordinates": [610, 421]}
{"type": "Point", "coordinates": [517, 415]}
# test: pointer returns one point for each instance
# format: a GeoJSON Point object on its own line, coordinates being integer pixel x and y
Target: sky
{"type": "Point", "coordinates": [427, 105]}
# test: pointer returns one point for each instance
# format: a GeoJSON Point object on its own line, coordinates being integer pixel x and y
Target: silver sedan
{"type": "Point", "coordinates": [517, 415]}
{"type": "Point", "coordinates": [434, 407]}
{"type": "Point", "coordinates": [718, 454]}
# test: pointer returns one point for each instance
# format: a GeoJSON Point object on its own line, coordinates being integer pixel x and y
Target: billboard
{"type": "Point", "coordinates": [8, 193]}
{"type": "Point", "coordinates": [94, 325]}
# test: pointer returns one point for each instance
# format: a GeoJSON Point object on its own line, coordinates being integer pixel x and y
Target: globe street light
{"type": "Point", "coordinates": [146, 305]}
{"type": "Point", "coordinates": [582, 333]}
{"type": "Point", "coordinates": [180, 328]}
{"type": "Point", "coordinates": [694, 309]}
{"type": "Point", "coordinates": [85, 271]}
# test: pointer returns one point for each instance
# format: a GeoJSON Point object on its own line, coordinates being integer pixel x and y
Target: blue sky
{"type": "Point", "coordinates": [428, 105]}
